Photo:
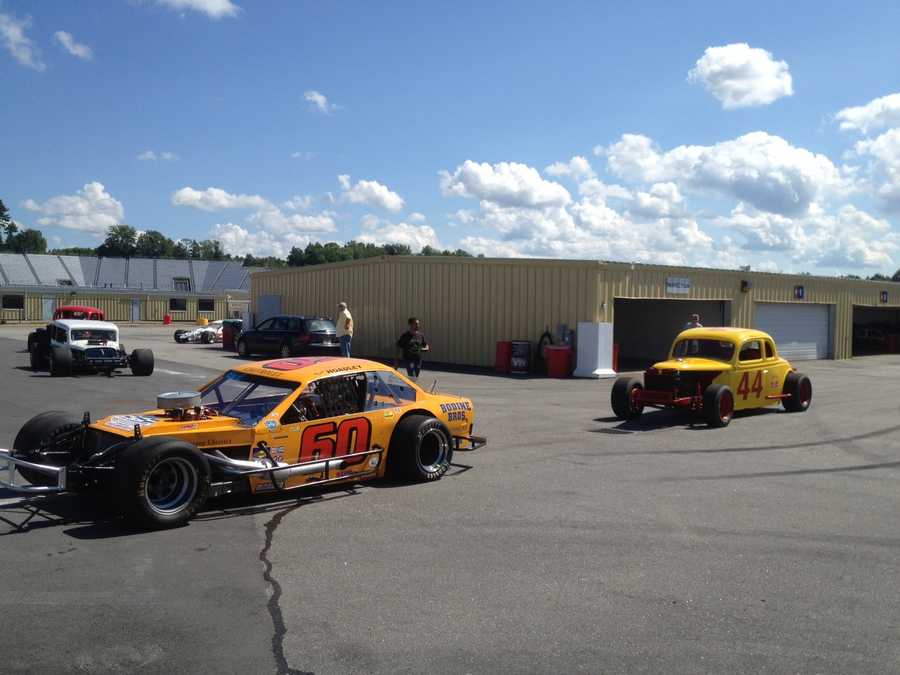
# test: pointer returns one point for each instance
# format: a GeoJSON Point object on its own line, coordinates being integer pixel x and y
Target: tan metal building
{"type": "Point", "coordinates": [468, 304]}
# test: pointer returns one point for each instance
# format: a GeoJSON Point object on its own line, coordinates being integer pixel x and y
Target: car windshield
{"type": "Point", "coordinates": [246, 397]}
{"type": "Point", "coordinates": [707, 349]}
{"type": "Point", "coordinates": [92, 334]}
{"type": "Point", "coordinates": [320, 326]}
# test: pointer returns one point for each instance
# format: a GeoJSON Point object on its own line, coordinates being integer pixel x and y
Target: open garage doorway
{"type": "Point", "coordinates": [876, 330]}
{"type": "Point", "coordinates": [644, 329]}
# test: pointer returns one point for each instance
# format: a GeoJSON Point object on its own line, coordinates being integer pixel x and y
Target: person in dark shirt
{"type": "Point", "coordinates": [412, 345]}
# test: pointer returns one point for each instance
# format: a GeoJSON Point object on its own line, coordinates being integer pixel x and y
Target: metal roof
{"type": "Point", "coordinates": [46, 271]}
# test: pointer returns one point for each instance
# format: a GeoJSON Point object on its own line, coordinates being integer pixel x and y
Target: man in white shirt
{"type": "Point", "coordinates": [694, 322]}
{"type": "Point", "coordinates": [344, 328]}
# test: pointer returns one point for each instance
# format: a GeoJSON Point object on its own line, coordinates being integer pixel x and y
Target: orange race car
{"type": "Point", "coordinates": [265, 426]}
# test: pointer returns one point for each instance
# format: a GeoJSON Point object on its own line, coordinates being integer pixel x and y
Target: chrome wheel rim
{"type": "Point", "coordinates": [171, 485]}
{"type": "Point", "coordinates": [433, 450]}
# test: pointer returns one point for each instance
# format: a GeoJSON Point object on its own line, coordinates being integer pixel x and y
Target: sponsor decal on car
{"type": "Point", "coordinates": [128, 421]}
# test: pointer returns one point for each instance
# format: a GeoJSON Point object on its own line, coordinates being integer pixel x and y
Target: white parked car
{"type": "Point", "coordinates": [208, 334]}
{"type": "Point", "coordinates": [70, 345]}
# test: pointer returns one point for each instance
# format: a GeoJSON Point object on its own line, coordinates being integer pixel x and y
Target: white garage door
{"type": "Point", "coordinates": [800, 331]}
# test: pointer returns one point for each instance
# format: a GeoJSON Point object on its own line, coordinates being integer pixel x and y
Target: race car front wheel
{"type": "Point", "coordinates": [141, 362]}
{"type": "Point", "coordinates": [624, 400]}
{"type": "Point", "coordinates": [60, 361]}
{"type": "Point", "coordinates": [420, 449]}
{"type": "Point", "coordinates": [718, 405]}
{"type": "Point", "coordinates": [163, 482]}
{"type": "Point", "coordinates": [54, 432]}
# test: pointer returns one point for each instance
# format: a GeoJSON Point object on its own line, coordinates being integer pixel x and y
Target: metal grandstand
{"type": "Point", "coordinates": [30, 270]}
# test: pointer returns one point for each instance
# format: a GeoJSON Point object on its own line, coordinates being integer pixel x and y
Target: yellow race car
{"type": "Point", "coordinates": [266, 426]}
{"type": "Point", "coordinates": [715, 372]}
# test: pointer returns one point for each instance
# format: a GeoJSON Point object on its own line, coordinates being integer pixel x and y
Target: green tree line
{"type": "Point", "coordinates": [124, 241]}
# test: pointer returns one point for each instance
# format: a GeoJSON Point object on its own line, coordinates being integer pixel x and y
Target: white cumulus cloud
{"type": "Point", "coordinates": [370, 192]}
{"type": "Point", "coordinates": [379, 231]}
{"type": "Point", "coordinates": [214, 9]}
{"type": "Point", "coordinates": [880, 113]}
{"type": "Point", "coordinates": [758, 168]}
{"type": "Point", "coordinates": [578, 168]}
{"type": "Point", "coordinates": [885, 170]}
{"type": "Point", "coordinates": [91, 209]}
{"type": "Point", "coordinates": [216, 199]}
{"type": "Point", "coordinates": [505, 184]}
{"type": "Point", "coordinates": [237, 240]}
{"type": "Point", "coordinates": [18, 44]}
{"type": "Point", "coordinates": [273, 231]}
{"type": "Point", "coordinates": [739, 75]}
{"type": "Point", "coordinates": [76, 49]}
{"type": "Point", "coordinates": [151, 156]}
{"type": "Point", "coordinates": [319, 102]}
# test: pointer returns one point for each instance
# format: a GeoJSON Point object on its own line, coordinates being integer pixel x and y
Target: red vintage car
{"type": "Point", "coordinates": [79, 312]}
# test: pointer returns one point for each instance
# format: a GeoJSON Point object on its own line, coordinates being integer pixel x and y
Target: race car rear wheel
{"type": "Point", "coordinates": [206, 337]}
{"type": "Point", "coordinates": [624, 404]}
{"type": "Point", "coordinates": [420, 449]}
{"type": "Point", "coordinates": [50, 431]}
{"type": "Point", "coordinates": [163, 482]}
{"type": "Point", "coordinates": [718, 405]}
{"type": "Point", "coordinates": [34, 357]}
{"type": "Point", "coordinates": [60, 361]}
{"type": "Point", "coordinates": [141, 362]}
{"type": "Point", "coordinates": [800, 389]}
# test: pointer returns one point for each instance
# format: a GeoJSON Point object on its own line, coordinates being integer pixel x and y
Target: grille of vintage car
{"type": "Point", "coordinates": [101, 353]}
{"type": "Point", "coordinates": [656, 380]}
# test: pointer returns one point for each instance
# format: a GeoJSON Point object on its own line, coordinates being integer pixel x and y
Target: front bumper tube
{"type": "Point", "coordinates": [9, 466]}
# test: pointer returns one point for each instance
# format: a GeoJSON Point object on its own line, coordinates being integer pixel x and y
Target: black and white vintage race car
{"type": "Point", "coordinates": [67, 346]}
{"type": "Point", "coordinates": [205, 334]}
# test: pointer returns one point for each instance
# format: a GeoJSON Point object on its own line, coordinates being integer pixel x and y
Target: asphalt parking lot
{"type": "Point", "coordinates": [571, 543]}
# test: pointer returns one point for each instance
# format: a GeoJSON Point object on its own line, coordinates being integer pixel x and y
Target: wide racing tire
{"type": "Point", "coordinates": [60, 361]}
{"type": "Point", "coordinates": [799, 387]}
{"type": "Point", "coordinates": [718, 405]}
{"type": "Point", "coordinates": [48, 431]}
{"type": "Point", "coordinates": [421, 449]}
{"type": "Point", "coordinates": [141, 362]}
{"type": "Point", "coordinates": [34, 357]}
{"type": "Point", "coordinates": [179, 336]}
{"type": "Point", "coordinates": [622, 398]}
{"type": "Point", "coordinates": [163, 482]}
{"type": "Point", "coordinates": [206, 337]}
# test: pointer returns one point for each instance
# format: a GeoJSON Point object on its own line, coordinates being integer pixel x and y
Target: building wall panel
{"type": "Point", "coordinates": [466, 305]}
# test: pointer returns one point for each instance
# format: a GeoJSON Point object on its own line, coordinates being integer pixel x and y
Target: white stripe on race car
{"type": "Point", "coordinates": [170, 372]}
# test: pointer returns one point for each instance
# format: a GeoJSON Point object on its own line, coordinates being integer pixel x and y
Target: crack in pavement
{"type": "Point", "coordinates": [274, 604]}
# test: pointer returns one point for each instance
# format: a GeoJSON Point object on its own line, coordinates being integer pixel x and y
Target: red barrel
{"type": "Point", "coordinates": [227, 336]}
{"type": "Point", "coordinates": [504, 356]}
{"type": "Point", "coordinates": [167, 319]}
{"type": "Point", "coordinates": [559, 360]}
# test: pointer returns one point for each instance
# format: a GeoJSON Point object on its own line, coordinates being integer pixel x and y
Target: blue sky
{"type": "Point", "coordinates": [719, 134]}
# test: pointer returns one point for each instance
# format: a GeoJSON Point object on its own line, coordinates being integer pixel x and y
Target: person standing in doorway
{"type": "Point", "coordinates": [694, 322]}
{"type": "Point", "coordinates": [412, 345]}
{"type": "Point", "coordinates": [344, 328]}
